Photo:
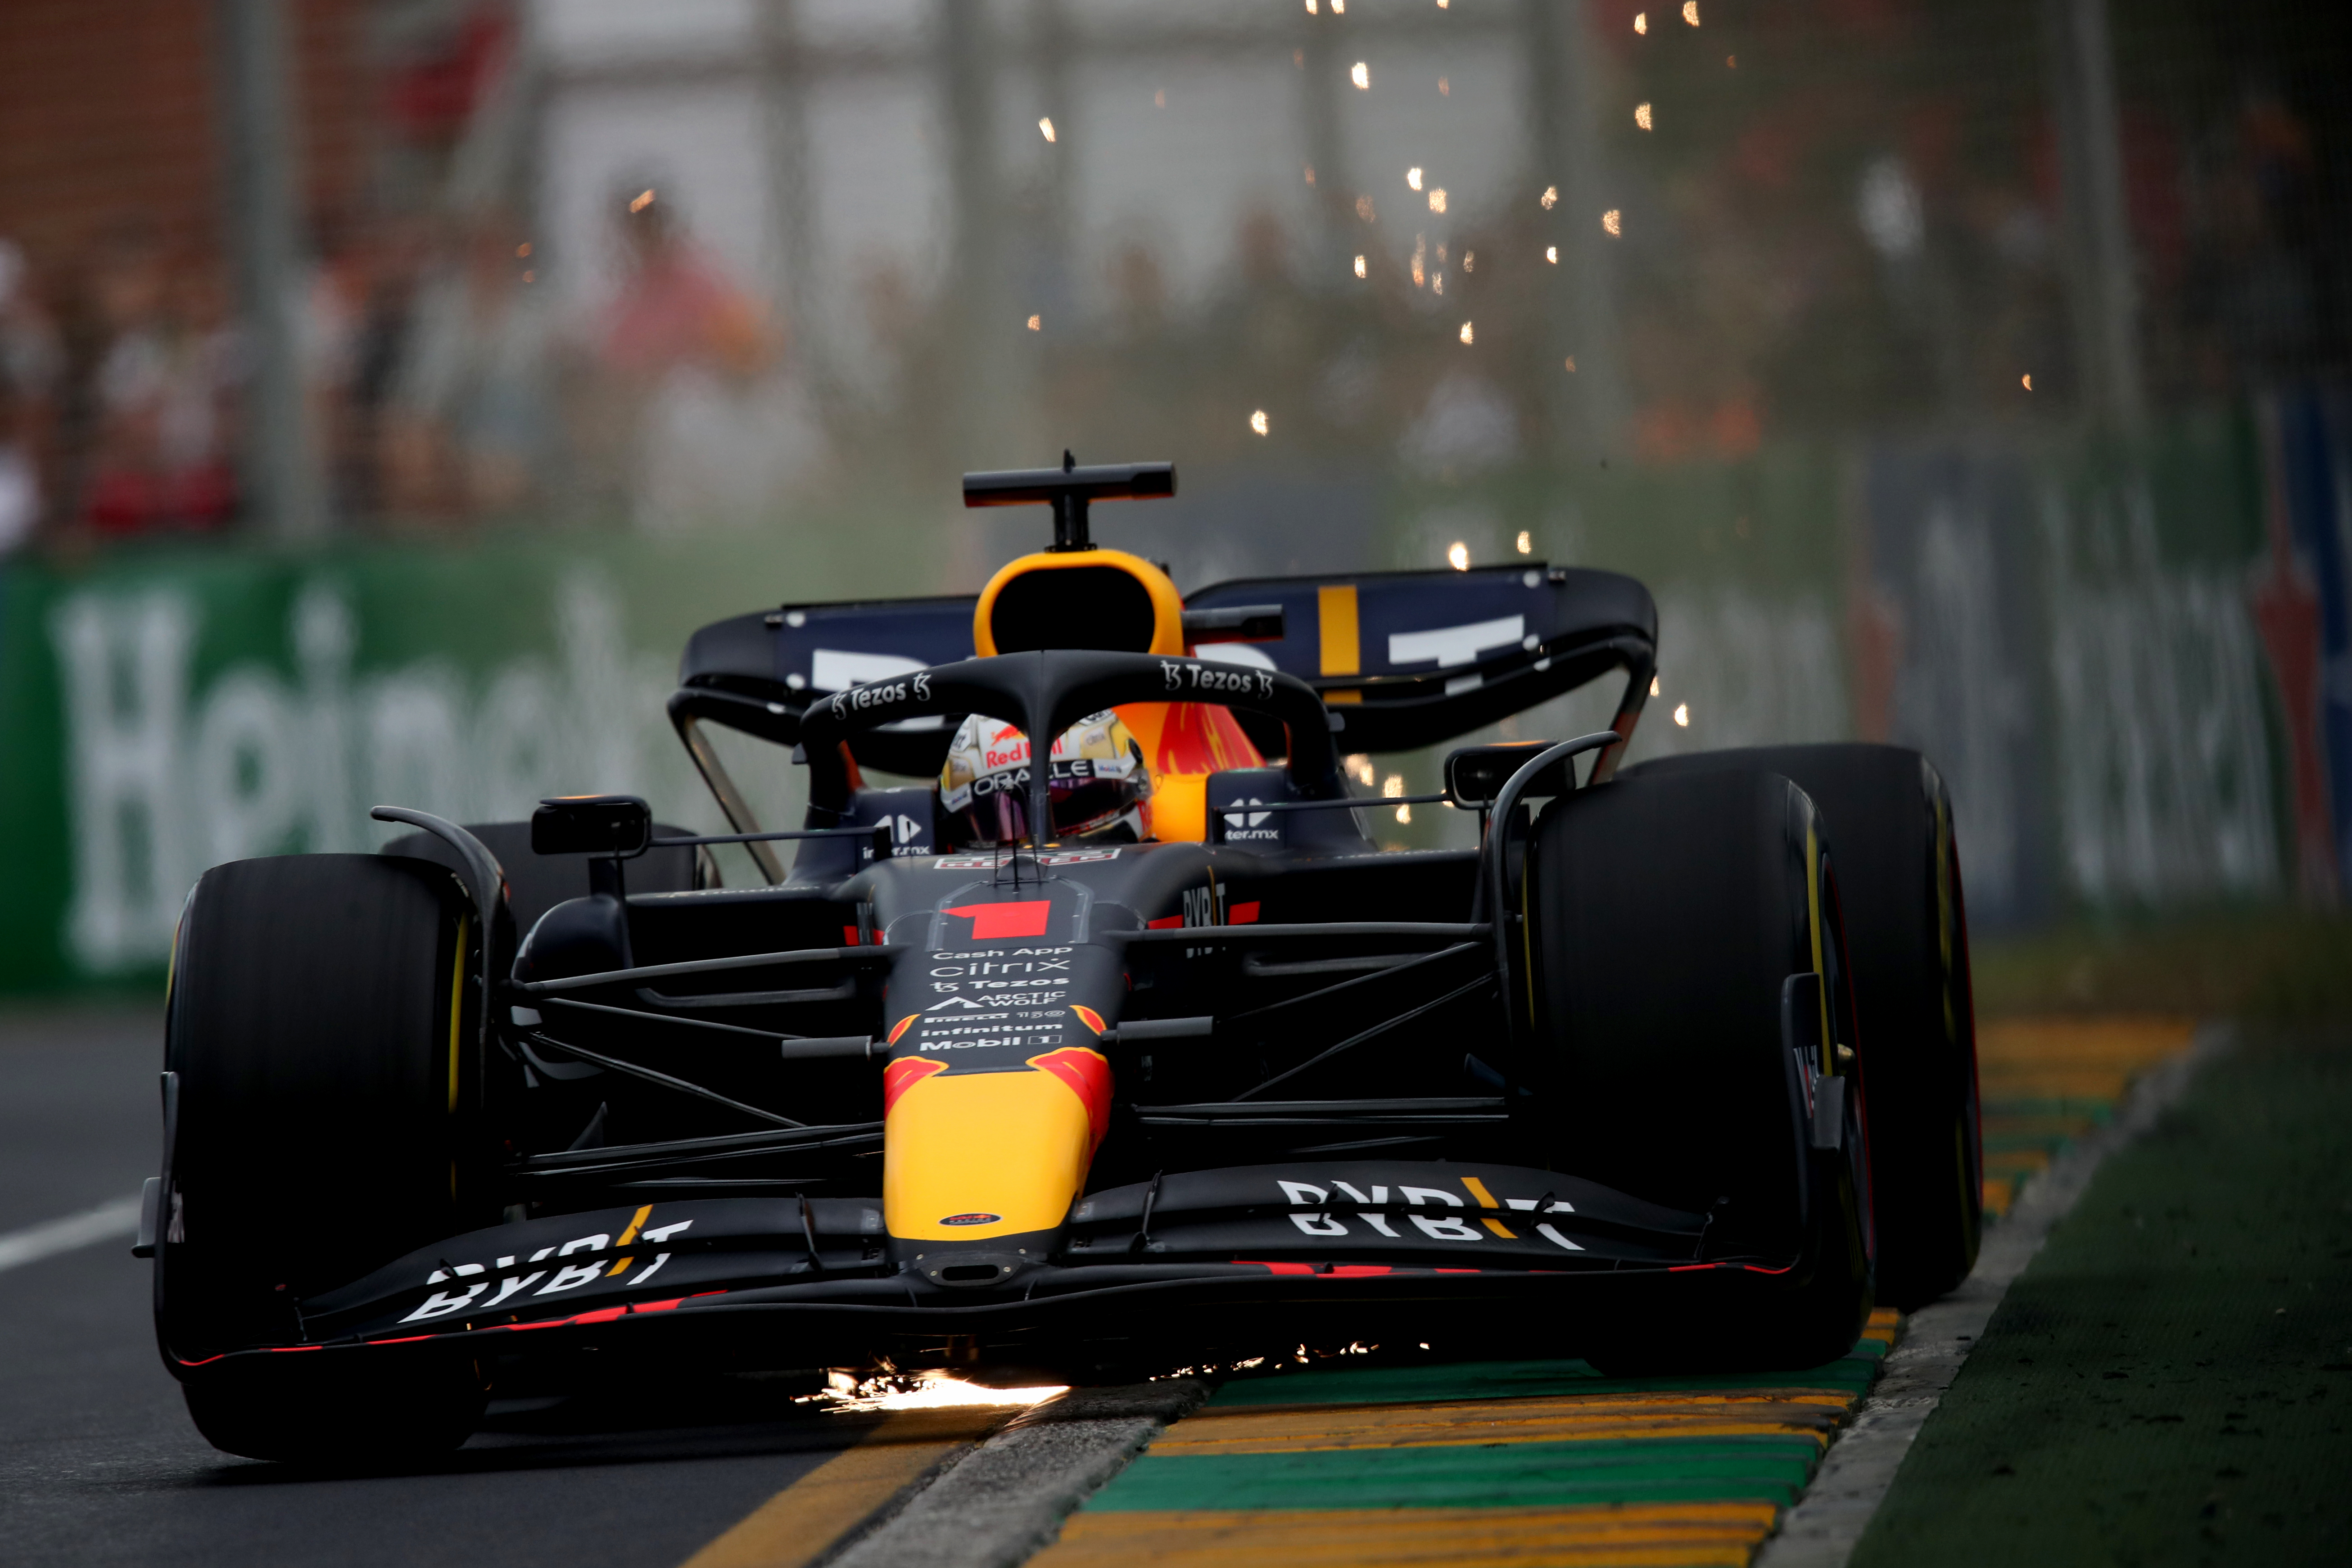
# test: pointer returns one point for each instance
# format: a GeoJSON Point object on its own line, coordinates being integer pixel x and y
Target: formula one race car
{"type": "Point", "coordinates": [1117, 1049]}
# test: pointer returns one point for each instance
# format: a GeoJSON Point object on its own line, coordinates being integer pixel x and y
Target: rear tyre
{"type": "Point", "coordinates": [1663, 918]}
{"type": "Point", "coordinates": [320, 1029]}
{"type": "Point", "coordinates": [1899, 870]}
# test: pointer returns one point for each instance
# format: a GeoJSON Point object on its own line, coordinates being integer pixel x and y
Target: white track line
{"type": "Point", "coordinates": [1826, 1525]}
{"type": "Point", "coordinates": [107, 1222]}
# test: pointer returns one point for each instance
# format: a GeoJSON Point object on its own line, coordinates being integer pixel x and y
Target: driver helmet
{"type": "Point", "coordinates": [1100, 785]}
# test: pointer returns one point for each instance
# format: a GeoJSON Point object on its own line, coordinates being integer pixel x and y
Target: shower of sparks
{"type": "Point", "coordinates": [1258, 421]}
{"type": "Point", "coordinates": [1036, 323]}
{"type": "Point", "coordinates": [1681, 714]}
{"type": "Point", "coordinates": [1359, 768]}
{"type": "Point", "coordinates": [1361, 74]}
{"type": "Point", "coordinates": [1393, 785]}
{"type": "Point", "coordinates": [1641, 20]}
{"type": "Point", "coordinates": [1527, 543]}
{"type": "Point", "coordinates": [1457, 555]}
{"type": "Point", "coordinates": [1359, 266]}
{"type": "Point", "coordinates": [1046, 125]}
{"type": "Point", "coordinates": [1437, 200]}
{"type": "Point", "coordinates": [1412, 178]}
{"type": "Point", "coordinates": [931, 1393]}
{"type": "Point", "coordinates": [1550, 197]}
{"type": "Point", "coordinates": [1613, 221]}
{"type": "Point", "coordinates": [1466, 337]}
{"type": "Point", "coordinates": [1642, 116]}
{"type": "Point", "coordinates": [1690, 11]}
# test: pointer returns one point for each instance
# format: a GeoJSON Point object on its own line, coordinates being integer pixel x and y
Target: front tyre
{"type": "Point", "coordinates": [320, 1043]}
{"type": "Point", "coordinates": [1663, 920]}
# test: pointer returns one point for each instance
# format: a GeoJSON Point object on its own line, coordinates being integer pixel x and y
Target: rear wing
{"type": "Point", "coordinates": [1403, 659]}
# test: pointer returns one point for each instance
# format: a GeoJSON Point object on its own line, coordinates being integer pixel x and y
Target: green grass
{"type": "Point", "coordinates": [2283, 966]}
{"type": "Point", "coordinates": [2171, 1380]}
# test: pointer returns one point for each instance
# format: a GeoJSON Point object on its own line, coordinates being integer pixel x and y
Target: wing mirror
{"type": "Point", "coordinates": [1475, 775]}
{"type": "Point", "coordinates": [620, 825]}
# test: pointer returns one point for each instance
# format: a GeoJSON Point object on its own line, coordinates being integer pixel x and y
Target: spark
{"type": "Point", "coordinates": [1527, 543]}
{"type": "Point", "coordinates": [1437, 283]}
{"type": "Point", "coordinates": [1731, 62]}
{"type": "Point", "coordinates": [1393, 785]}
{"type": "Point", "coordinates": [1310, 7]}
{"type": "Point", "coordinates": [1444, 88]}
{"type": "Point", "coordinates": [1311, 173]}
{"type": "Point", "coordinates": [1613, 221]}
{"type": "Point", "coordinates": [522, 250]}
{"type": "Point", "coordinates": [2029, 383]}
{"type": "Point", "coordinates": [1338, 7]}
{"type": "Point", "coordinates": [1159, 99]}
{"type": "Point", "coordinates": [1359, 266]}
{"type": "Point", "coordinates": [1550, 197]}
{"type": "Point", "coordinates": [1640, 21]}
{"type": "Point", "coordinates": [1364, 208]}
{"type": "Point", "coordinates": [1469, 261]}
{"type": "Point", "coordinates": [1036, 323]}
{"type": "Point", "coordinates": [1551, 254]}
{"type": "Point", "coordinates": [1437, 200]}
{"type": "Point", "coordinates": [934, 1393]}
{"type": "Point", "coordinates": [1258, 421]}
{"type": "Point", "coordinates": [1467, 336]}
{"type": "Point", "coordinates": [1420, 257]}
{"type": "Point", "coordinates": [642, 200]}
{"type": "Point", "coordinates": [1654, 686]}
{"type": "Point", "coordinates": [1681, 714]}
{"type": "Point", "coordinates": [529, 277]}
{"type": "Point", "coordinates": [1572, 364]}
{"type": "Point", "coordinates": [1361, 74]}
{"type": "Point", "coordinates": [1412, 177]}
{"type": "Point", "coordinates": [1359, 768]}
{"type": "Point", "coordinates": [1457, 555]}
{"type": "Point", "coordinates": [1443, 4]}
{"type": "Point", "coordinates": [1046, 125]}
{"type": "Point", "coordinates": [1690, 11]}
{"type": "Point", "coordinates": [1642, 116]}
{"type": "Point", "coordinates": [1299, 60]}
{"type": "Point", "coordinates": [1404, 814]}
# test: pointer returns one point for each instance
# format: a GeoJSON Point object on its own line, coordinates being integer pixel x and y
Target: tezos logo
{"type": "Point", "coordinates": [972, 1219]}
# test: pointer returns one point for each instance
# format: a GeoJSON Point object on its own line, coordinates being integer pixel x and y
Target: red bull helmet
{"type": "Point", "coordinates": [1099, 784]}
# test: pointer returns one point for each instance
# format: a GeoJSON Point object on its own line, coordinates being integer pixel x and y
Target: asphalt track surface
{"type": "Point", "coordinates": [98, 1463]}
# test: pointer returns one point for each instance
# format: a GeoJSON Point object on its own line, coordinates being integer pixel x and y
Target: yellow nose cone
{"type": "Point", "coordinates": [967, 1157]}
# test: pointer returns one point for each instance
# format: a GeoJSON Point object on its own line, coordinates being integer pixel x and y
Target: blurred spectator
{"type": "Point", "coordinates": [161, 394]}
{"type": "Point", "coordinates": [471, 426]}
{"type": "Point", "coordinates": [28, 370]}
{"type": "Point", "coordinates": [692, 397]}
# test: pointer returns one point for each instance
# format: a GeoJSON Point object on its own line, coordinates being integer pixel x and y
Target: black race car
{"type": "Point", "coordinates": [1138, 1057]}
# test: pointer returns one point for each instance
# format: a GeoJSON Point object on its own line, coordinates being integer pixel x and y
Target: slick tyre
{"type": "Point", "coordinates": [320, 1098]}
{"type": "Point", "coordinates": [1899, 876]}
{"type": "Point", "coordinates": [1663, 920]}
